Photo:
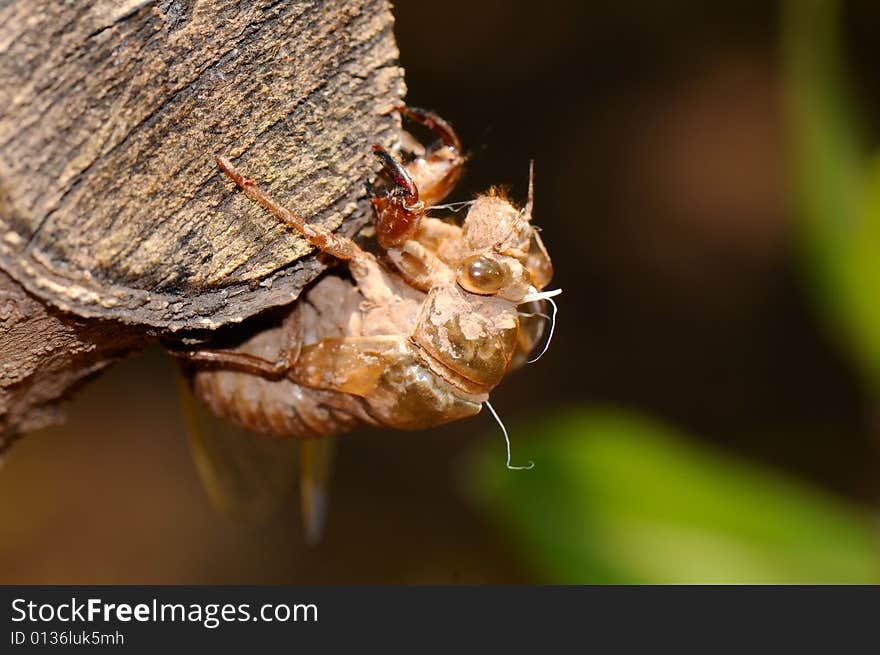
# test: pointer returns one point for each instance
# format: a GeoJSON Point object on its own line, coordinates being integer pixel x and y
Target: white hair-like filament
{"type": "Point", "coordinates": [548, 296]}
{"type": "Point", "coordinates": [534, 295]}
{"type": "Point", "coordinates": [453, 206]}
{"type": "Point", "coordinates": [510, 466]}
{"type": "Point", "coordinates": [549, 336]}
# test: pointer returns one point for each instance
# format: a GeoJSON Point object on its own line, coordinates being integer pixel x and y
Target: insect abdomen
{"type": "Point", "coordinates": [281, 408]}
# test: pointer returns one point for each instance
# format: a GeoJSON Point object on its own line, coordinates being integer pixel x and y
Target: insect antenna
{"type": "Point", "coordinates": [531, 464]}
{"type": "Point", "coordinates": [530, 203]}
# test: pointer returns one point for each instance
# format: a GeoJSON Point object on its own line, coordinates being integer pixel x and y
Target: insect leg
{"type": "Point", "coordinates": [416, 264]}
{"type": "Point", "coordinates": [438, 170]}
{"type": "Point", "coordinates": [353, 365]}
{"type": "Point", "coordinates": [320, 237]}
{"type": "Point", "coordinates": [433, 122]}
{"type": "Point", "coordinates": [398, 209]}
{"type": "Point", "coordinates": [362, 264]}
{"type": "Point", "coordinates": [237, 361]}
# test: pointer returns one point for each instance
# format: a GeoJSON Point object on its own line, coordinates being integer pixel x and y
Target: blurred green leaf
{"type": "Point", "coordinates": [860, 277]}
{"type": "Point", "coordinates": [837, 186]}
{"type": "Point", "coordinates": [615, 498]}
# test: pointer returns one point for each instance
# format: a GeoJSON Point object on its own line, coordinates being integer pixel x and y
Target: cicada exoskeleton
{"type": "Point", "coordinates": [414, 337]}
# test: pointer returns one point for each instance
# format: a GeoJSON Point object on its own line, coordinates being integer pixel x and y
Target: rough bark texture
{"type": "Point", "coordinates": [45, 354]}
{"type": "Point", "coordinates": [111, 205]}
{"type": "Point", "coordinates": [114, 219]}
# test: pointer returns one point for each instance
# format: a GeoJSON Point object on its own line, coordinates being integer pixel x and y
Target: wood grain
{"type": "Point", "coordinates": [115, 224]}
{"type": "Point", "coordinates": [111, 205]}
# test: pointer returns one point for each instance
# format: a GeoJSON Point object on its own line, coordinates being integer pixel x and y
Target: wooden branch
{"type": "Point", "coordinates": [46, 354]}
{"type": "Point", "coordinates": [111, 205]}
{"type": "Point", "coordinates": [114, 219]}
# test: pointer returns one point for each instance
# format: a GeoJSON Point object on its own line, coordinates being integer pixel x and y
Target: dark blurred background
{"type": "Point", "coordinates": [664, 190]}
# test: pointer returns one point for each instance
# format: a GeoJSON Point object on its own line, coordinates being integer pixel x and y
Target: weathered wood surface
{"type": "Point", "coordinates": [111, 205]}
{"type": "Point", "coordinates": [114, 220]}
{"type": "Point", "coordinates": [45, 354]}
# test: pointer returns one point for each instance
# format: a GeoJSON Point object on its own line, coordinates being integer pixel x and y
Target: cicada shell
{"type": "Point", "coordinates": [415, 337]}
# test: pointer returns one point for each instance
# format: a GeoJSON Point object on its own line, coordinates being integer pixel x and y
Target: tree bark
{"type": "Point", "coordinates": [111, 204]}
{"type": "Point", "coordinates": [46, 354]}
{"type": "Point", "coordinates": [114, 220]}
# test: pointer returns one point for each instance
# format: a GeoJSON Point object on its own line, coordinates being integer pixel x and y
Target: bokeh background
{"type": "Point", "coordinates": [707, 188]}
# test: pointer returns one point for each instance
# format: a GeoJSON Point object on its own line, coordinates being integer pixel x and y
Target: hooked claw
{"type": "Point", "coordinates": [397, 212]}
{"type": "Point", "coordinates": [397, 172]}
{"type": "Point", "coordinates": [433, 122]}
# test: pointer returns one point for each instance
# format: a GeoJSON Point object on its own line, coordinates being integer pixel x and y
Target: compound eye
{"type": "Point", "coordinates": [481, 275]}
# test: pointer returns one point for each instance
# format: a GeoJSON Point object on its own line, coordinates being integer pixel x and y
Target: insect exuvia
{"type": "Point", "coordinates": [419, 335]}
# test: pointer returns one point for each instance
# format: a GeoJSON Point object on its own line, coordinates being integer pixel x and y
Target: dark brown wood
{"type": "Point", "coordinates": [114, 218]}
{"type": "Point", "coordinates": [111, 204]}
{"type": "Point", "coordinates": [46, 354]}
